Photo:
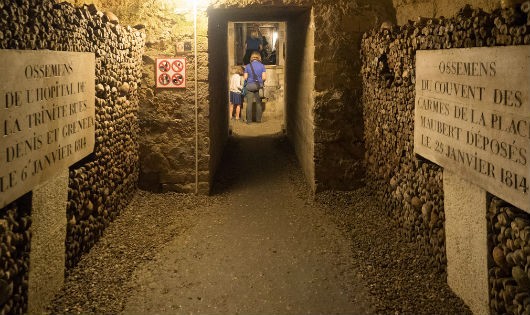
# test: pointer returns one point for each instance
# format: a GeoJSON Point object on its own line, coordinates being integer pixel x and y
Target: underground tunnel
{"type": "Point", "coordinates": [388, 173]}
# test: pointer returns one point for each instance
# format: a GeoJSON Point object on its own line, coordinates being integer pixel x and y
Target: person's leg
{"type": "Point", "coordinates": [238, 111]}
{"type": "Point", "coordinates": [238, 103]}
{"type": "Point", "coordinates": [250, 103]}
{"type": "Point", "coordinates": [259, 109]}
{"type": "Point", "coordinates": [241, 107]}
{"type": "Point", "coordinates": [246, 58]}
{"type": "Point", "coordinates": [231, 105]}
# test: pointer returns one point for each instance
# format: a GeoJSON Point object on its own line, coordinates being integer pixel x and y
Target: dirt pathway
{"type": "Point", "coordinates": [263, 251]}
{"type": "Point", "coordinates": [256, 248]}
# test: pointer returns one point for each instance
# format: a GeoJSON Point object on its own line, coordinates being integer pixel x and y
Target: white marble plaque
{"type": "Point", "coordinates": [47, 116]}
{"type": "Point", "coordinates": [472, 116]}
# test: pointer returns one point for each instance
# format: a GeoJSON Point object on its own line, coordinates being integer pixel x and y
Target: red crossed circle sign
{"type": "Point", "coordinates": [178, 66]}
{"type": "Point", "coordinates": [178, 79]}
{"type": "Point", "coordinates": [163, 66]}
{"type": "Point", "coordinates": [163, 79]}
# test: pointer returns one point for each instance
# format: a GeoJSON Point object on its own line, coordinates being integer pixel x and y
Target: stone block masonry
{"type": "Point", "coordinates": [338, 132]}
{"type": "Point", "coordinates": [412, 187]}
{"type": "Point", "coordinates": [167, 149]}
{"type": "Point", "coordinates": [102, 184]}
{"type": "Point", "coordinates": [167, 117]}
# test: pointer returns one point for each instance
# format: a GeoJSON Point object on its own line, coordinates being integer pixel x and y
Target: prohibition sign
{"type": "Point", "coordinates": [163, 79]}
{"type": "Point", "coordinates": [178, 65]}
{"type": "Point", "coordinates": [178, 79]}
{"type": "Point", "coordinates": [170, 72]}
{"type": "Point", "coordinates": [163, 66]}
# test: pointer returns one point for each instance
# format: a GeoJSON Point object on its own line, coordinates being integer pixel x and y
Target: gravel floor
{"type": "Point", "coordinates": [100, 282]}
{"type": "Point", "coordinates": [263, 251]}
{"type": "Point", "coordinates": [394, 270]}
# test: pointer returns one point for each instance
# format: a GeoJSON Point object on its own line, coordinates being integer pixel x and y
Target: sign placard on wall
{"type": "Point", "coordinates": [180, 47]}
{"type": "Point", "coordinates": [171, 72]}
{"type": "Point", "coordinates": [47, 116]}
{"type": "Point", "coordinates": [472, 116]}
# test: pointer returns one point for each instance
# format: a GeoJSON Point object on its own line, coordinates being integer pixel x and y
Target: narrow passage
{"type": "Point", "coordinates": [263, 251]}
{"type": "Point", "coordinates": [257, 246]}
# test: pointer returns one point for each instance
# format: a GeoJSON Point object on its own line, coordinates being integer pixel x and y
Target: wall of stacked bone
{"type": "Point", "coordinates": [102, 184]}
{"type": "Point", "coordinates": [411, 187]}
{"type": "Point", "coordinates": [15, 236]}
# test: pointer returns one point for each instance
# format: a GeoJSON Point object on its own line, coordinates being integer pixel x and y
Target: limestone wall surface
{"type": "Point", "coordinates": [103, 183]}
{"type": "Point", "coordinates": [167, 118]}
{"type": "Point", "coordinates": [410, 186]}
{"type": "Point", "coordinates": [274, 93]}
{"type": "Point", "coordinates": [412, 9]}
{"type": "Point", "coordinates": [300, 99]}
{"type": "Point", "coordinates": [338, 124]}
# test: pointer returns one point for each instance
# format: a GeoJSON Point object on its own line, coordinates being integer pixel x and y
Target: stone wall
{"type": "Point", "coordinates": [218, 87]}
{"type": "Point", "coordinates": [323, 112]}
{"type": "Point", "coordinates": [300, 96]}
{"type": "Point", "coordinates": [167, 118]}
{"type": "Point", "coordinates": [509, 265]}
{"type": "Point", "coordinates": [274, 93]}
{"type": "Point", "coordinates": [338, 129]}
{"type": "Point", "coordinates": [411, 9]}
{"type": "Point", "coordinates": [103, 183]}
{"type": "Point", "coordinates": [15, 238]}
{"type": "Point", "coordinates": [410, 186]}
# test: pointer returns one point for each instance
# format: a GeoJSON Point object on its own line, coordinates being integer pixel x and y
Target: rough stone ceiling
{"type": "Point", "coordinates": [259, 13]}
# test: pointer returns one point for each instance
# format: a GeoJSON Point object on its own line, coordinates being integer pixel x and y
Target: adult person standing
{"type": "Point", "coordinates": [254, 75]}
{"type": "Point", "coordinates": [253, 43]}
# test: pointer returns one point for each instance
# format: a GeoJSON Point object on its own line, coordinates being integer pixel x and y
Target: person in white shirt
{"type": "Point", "coordinates": [236, 100]}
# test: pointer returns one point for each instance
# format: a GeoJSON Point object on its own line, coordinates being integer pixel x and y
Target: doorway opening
{"type": "Point", "coordinates": [272, 38]}
{"type": "Point", "coordinates": [290, 77]}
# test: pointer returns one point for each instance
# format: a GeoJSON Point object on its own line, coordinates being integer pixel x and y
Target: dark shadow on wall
{"type": "Point", "coordinates": [298, 92]}
{"type": "Point", "coordinates": [388, 9]}
{"type": "Point", "coordinates": [218, 87]}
